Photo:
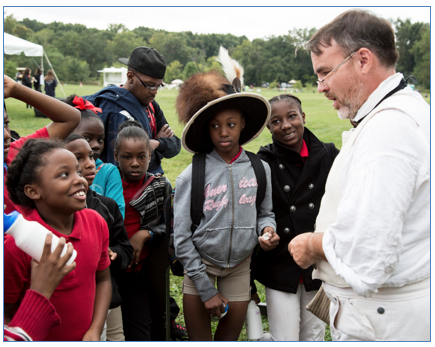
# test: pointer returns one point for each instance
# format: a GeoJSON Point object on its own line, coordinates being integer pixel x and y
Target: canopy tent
{"type": "Point", "coordinates": [15, 46]}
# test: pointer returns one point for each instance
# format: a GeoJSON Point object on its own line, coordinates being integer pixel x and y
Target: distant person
{"type": "Point", "coordinates": [135, 101]}
{"type": "Point", "coordinates": [37, 80]}
{"type": "Point", "coordinates": [27, 81]}
{"type": "Point", "coordinates": [19, 77]}
{"type": "Point", "coordinates": [50, 84]}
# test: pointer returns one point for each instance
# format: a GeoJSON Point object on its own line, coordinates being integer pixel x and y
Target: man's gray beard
{"type": "Point", "coordinates": [353, 102]}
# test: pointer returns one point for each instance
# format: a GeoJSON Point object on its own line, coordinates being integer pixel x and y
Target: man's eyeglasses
{"type": "Point", "coordinates": [322, 81]}
{"type": "Point", "coordinates": [159, 87]}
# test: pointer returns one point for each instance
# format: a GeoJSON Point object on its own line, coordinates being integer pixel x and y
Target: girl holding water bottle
{"type": "Point", "coordinates": [45, 181]}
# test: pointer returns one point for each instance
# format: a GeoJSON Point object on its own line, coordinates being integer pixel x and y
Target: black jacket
{"type": "Point", "coordinates": [297, 190]}
{"type": "Point", "coordinates": [118, 239]}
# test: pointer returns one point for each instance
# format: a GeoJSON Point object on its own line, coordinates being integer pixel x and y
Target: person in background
{"type": "Point", "coordinates": [50, 84]}
{"type": "Point", "coordinates": [144, 194]}
{"type": "Point", "coordinates": [120, 249]}
{"type": "Point", "coordinates": [27, 81]}
{"type": "Point", "coordinates": [107, 180]}
{"type": "Point", "coordinates": [371, 244]}
{"type": "Point", "coordinates": [37, 80]}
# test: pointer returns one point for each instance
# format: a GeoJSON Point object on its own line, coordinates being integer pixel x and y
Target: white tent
{"type": "Point", "coordinates": [15, 46]}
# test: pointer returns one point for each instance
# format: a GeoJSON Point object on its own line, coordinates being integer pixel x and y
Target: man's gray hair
{"type": "Point", "coordinates": [355, 29]}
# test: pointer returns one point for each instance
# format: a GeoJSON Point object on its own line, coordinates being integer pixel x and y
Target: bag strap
{"type": "Point", "coordinates": [152, 107]}
{"type": "Point", "coordinates": [141, 189]}
{"type": "Point", "coordinates": [197, 194]}
{"type": "Point", "coordinates": [260, 174]}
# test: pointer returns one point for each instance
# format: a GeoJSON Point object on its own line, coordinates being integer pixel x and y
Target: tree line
{"type": "Point", "coordinates": [77, 52]}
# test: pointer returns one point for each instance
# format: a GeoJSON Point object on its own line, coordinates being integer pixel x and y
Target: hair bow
{"type": "Point", "coordinates": [85, 105]}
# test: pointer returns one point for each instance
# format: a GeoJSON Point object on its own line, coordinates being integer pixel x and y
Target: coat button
{"type": "Point", "coordinates": [286, 188]}
{"type": "Point", "coordinates": [381, 310]}
{"type": "Point", "coordinates": [281, 166]}
{"type": "Point", "coordinates": [310, 186]}
{"type": "Point", "coordinates": [286, 230]}
{"type": "Point", "coordinates": [311, 206]}
{"type": "Point", "coordinates": [293, 208]}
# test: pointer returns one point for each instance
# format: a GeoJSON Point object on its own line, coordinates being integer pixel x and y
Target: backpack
{"type": "Point", "coordinates": [197, 202]}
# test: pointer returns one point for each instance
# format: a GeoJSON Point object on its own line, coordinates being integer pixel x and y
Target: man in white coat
{"type": "Point", "coordinates": [371, 246]}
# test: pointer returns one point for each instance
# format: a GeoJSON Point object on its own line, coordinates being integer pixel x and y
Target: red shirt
{"type": "Point", "coordinates": [13, 151]}
{"type": "Point", "coordinates": [304, 155]}
{"type": "Point", "coordinates": [34, 319]}
{"type": "Point", "coordinates": [132, 216]}
{"type": "Point", "coordinates": [74, 297]}
{"type": "Point", "coordinates": [237, 155]}
{"type": "Point", "coordinates": [304, 151]}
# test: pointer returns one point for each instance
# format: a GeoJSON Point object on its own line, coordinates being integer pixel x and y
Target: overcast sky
{"type": "Point", "coordinates": [253, 22]}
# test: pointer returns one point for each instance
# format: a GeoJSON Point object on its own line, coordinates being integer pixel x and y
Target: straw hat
{"type": "Point", "coordinates": [203, 95]}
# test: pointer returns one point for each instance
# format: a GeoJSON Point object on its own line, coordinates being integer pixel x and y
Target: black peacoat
{"type": "Point", "coordinates": [297, 189]}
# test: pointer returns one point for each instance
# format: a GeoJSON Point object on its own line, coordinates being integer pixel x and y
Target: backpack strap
{"type": "Point", "coordinates": [140, 190]}
{"type": "Point", "coordinates": [260, 173]}
{"type": "Point", "coordinates": [152, 107]}
{"type": "Point", "coordinates": [197, 194]}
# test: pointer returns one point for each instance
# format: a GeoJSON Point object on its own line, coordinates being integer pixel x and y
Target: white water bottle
{"type": "Point", "coordinates": [253, 323]}
{"type": "Point", "coordinates": [30, 236]}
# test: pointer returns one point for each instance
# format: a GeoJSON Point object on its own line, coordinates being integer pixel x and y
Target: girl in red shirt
{"type": "Point", "coordinates": [142, 286]}
{"type": "Point", "coordinates": [45, 181]}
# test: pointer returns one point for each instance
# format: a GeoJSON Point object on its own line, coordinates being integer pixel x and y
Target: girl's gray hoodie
{"type": "Point", "coordinates": [231, 225]}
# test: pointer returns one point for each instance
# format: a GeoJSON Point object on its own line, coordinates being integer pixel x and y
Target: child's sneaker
{"type": "Point", "coordinates": [178, 332]}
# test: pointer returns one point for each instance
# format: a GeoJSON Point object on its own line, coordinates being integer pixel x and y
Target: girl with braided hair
{"type": "Point", "coordinates": [300, 164]}
{"type": "Point", "coordinates": [46, 182]}
{"type": "Point", "coordinates": [144, 194]}
{"type": "Point", "coordinates": [107, 180]}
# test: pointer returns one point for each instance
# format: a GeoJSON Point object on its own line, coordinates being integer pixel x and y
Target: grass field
{"type": "Point", "coordinates": [321, 119]}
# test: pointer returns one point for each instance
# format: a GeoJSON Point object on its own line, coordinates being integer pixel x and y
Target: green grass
{"type": "Point", "coordinates": [320, 118]}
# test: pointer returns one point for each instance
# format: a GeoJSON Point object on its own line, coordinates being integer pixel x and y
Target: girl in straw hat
{"type": "Point", "coordinates": [219, 119]}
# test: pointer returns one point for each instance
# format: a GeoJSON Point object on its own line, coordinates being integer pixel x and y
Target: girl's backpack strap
{"type": "Point", "coordinates": [260, 173]}
{"type": "Point", "coordinates": [197, 194]}
{"type": "Point", "coordinates": [140, 190]}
